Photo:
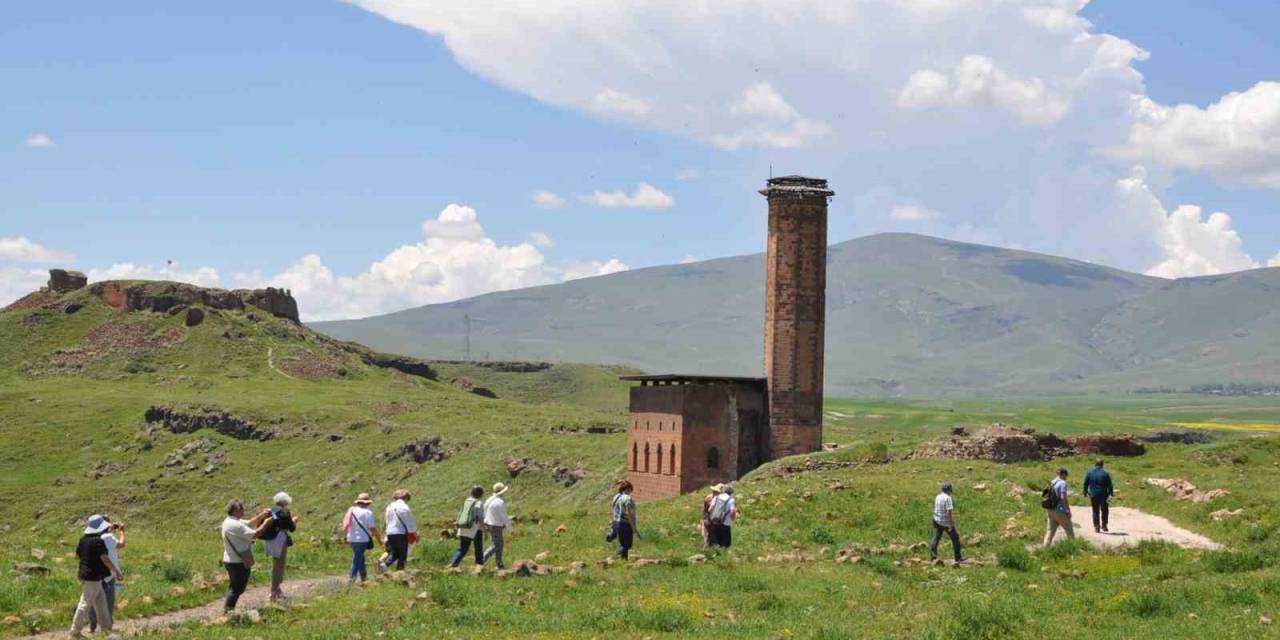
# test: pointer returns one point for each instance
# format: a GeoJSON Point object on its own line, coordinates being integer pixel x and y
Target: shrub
{"type": "Point", "coordinates": [1148, 604]}
{"type": "Point", "coordinates": [172, 570]}
{"type": "Point", "coordinates": [882, 566]}
{"type": "Point", "coordinates": [1015, 557]}
{"type": "Point", "coordinates": [871, 451]}
{"type": "Point", "coordinates": [822, 536]}
{"type": "Point", "coordinates": [1257, 534]}
{"type": "Point", "coordinates": [1235, 561]}
{"type": "Point", "coordinates": [1065, 549]}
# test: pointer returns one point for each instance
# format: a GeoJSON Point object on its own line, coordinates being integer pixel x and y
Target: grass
{"type": "Point", "coordinates": [56, 427]}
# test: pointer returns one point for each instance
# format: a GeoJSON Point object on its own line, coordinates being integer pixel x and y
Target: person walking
{"type": "Point", "coordinates": [470, 520]}
{"type": "Point", "coordinates": [705, 524]}
{"type": "Point", "coordinates": [623, 519]}
{"type": "Point", "coordinates": [95, 566]}
{"type": "Point", "coordinates": [496, 522]}
{"type": "Point", "coordinates": [944, 520]}
{"type": "Point", "coordinates": [1057, 510]}
{"type": "Point", "coordinates": [1098, 486]}
{"type": "Point", "coordinates": [276, 540]}
{"type": "Point", "coordinates": [237, 549]}
{"type": "Point", "coordinates": [361, 528]}
{"type": "Point", "coordinates": [724, 510]}
{"type": "Point", "coordinates": [114, 539]}
{"type": "Point", "coordinates": [402, 530]}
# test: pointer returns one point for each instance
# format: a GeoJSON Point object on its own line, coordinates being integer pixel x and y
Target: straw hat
{"type": "Point", "coordinates": [96, 524]}
{"type": "Point", "coordinates": [364, 499]}
{"type": "Point", "coordinates": [718, 487]}
{"type": "Point", "coordinates": [499, 489]}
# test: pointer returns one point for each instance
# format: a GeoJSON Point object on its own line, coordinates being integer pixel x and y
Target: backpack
{"type": "Point", "coordinates": [1049, 497]}
{"type": "Point", "coordinates": [719, 510]}
{"type": "Point", "coordinates": [467, 517]}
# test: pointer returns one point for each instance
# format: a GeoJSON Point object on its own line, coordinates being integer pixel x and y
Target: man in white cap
{"type": "Point", "coordinates": [95, 566]}
{"type": "Point", "coordinates": [724, 510]}
{"type": "Point", "coordinates": [496, 521]}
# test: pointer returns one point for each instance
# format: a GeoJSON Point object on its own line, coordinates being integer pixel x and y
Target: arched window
{"type": "Point", "coordinates": [673, 460]}
{"type": "Point", "coordinates": [635, 457]}
{"type": "Point", "coordinates": [713, 458]}
{"type": "Point", "coordinates": [646, 457]}
{"type": "Point", "coordinates": [659, 467]}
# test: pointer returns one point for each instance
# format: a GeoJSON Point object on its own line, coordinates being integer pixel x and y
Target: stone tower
{"type": "Point", "coordinates": [795, 312]}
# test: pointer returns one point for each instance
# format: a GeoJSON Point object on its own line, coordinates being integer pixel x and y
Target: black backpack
{"type": "Point", "coordinates": [1049, 498]}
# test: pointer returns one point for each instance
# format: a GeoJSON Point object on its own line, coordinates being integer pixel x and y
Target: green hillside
{"type": "Point", "coordinates": [326, 420]}
{"type": "Point", "coordinates": [908, 316]}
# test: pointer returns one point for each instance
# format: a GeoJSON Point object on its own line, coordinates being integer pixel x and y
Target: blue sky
{"type": "Point", "coordinates": [302, 144]}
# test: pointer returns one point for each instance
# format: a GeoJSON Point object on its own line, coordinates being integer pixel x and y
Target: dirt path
{"type": "Point", "coordinates": [1130, 526]}
{"type": "Point", "coordinates": [271, 363]}
{"type": "Point", "coordinates": [254, 598]}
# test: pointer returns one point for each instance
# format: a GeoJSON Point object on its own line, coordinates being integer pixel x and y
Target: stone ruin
{"type": "Point", "coordinates": [177, 421]}
{"type": "Point", "coordinates": [174, 297]}
{"type": "Point", "coordinates": [63, 281]}
{"type": "Point", "coordinates": [1002, 443]}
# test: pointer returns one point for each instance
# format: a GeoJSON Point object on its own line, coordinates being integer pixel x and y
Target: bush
{"type": "Point", "coordinates": [871, 451]}
{"type": "Point", "coordinates": [980, 618]}
{"type": "Point", "coordinates": [1065, 549]}
{"type": "Point", "coordinates": [1149, 604]}
{"type": "Point", "coordinates": [172, 570]}
{"type": "Point", "coordinates": [1015, 557]}
{"type": "Point", "coordinates": [1257, 534]}
{"type": "Point", "coordinates": [1235, 561]}
{"type": "Point", "coordinates": [822, 536]}
{"type": "Point", "coordinates": [882, 566]}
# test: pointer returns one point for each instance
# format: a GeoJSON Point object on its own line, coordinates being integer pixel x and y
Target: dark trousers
{"type": "Point", "coordinates": [239, 575]}
{"type": "Point", "coordinates": [1101, 511]}
{"type": "Point", "coordinates": [625, 537]}
{"type": "Point", "coordinates": [937, 537]}
{"type": "Point", "coordinates": [465, 543]}
{"type": "Point", "coordinates": [398, 547]}
{"type": "Point", "coordinates": [721, 535]}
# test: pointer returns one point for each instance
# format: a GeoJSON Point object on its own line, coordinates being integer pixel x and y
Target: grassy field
{"type": "Point", "coordinates": [58, 423]}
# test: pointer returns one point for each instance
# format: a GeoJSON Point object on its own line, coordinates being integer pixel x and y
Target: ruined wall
{"type": "Point", "coordinates": [656, 427]}
{"type": "Point", "coordinates": [795, 312]}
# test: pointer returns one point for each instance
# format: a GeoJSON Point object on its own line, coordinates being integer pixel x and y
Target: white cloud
{"type": "Point", "coordinates": [540, 239]}
{"type": "Point", "coordinates": [1236, 138]}
{"type": "Point", "coordinates": [688, 259]}
{"type": "Point", "coordinates": [20, 249]}
{"type": "Point", "coordinates": [977, 82]}
{"type": "Point", "coordinates": [39, 141]}
{"type": "Point", "coordinates": [912, 213]}
{"type": "Point", "coordinates": [1191, 245]}
{"type": "Point", "coordinates": [1274, 261]}
{"type": "Point", "coordinates": [592, 269]}
{"type": "Point", "coordinates": [645, 196]}
{"type": "Point", "coordinates": [690, 173]}
{"type": "Point", "coordinates": [16, 282]}
{"type": "Point", "coordinates": [455, 259]}
{"type": "Point", "coordinates": [612, 102]}
{"type": "Point", "coordinates": [547, 200]}
{"type": "Point", "coordinates": [202, 276]}
{"type": "Point", "coordinates": [764, 119]}
{"type": "Point", "coordinates": [1062, 18]}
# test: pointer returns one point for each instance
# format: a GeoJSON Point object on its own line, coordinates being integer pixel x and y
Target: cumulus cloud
{"type": "Point", "coordinates": [765, 119]}
{"type": "Point", "coordinates": [1191, 245]}
{"type": "Point", "coordinates": [455, 259]}
{"type": "Point", "coordinates": [645, 196]}
{"type": "Point", "coordinates": [16, 282]}
{"type": "Point", "coordinates": [1236, 138]}
{"type": "Point", "coordinates": [20, 249]}
{"type": "Point", "coordinates": [201, 276]}
{"type": "Point", "coordinates": [547, 200]}
{"type": "Point", "coordinates": [39, 141]}
{"type": "Point", "coordinates": [912, 213]}
{"type": "Point", "coordinates": [977, 82]}
{"type": "Point", "coordinates": [612, 102]}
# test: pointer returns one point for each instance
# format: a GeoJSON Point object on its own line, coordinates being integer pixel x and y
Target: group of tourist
{"type": "Point", "coordinates": [1097, 486]}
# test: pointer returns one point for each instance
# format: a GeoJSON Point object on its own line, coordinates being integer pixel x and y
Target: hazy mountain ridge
{"type": "Point", "coordinates": [907, 315]}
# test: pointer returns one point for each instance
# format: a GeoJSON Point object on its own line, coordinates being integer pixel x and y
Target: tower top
{"type": "Point", "coordinates": [800, 186]}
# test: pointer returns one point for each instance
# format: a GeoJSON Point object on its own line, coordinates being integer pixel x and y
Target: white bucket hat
{"type": "Point", "coordinates": [96, 524]}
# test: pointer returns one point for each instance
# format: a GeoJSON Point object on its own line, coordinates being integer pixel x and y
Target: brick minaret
{"type": "Point", "coordinates": [795, 312]}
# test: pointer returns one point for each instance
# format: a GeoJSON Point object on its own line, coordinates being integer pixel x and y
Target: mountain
{"type": "Point", "coordinates": [907, 315]}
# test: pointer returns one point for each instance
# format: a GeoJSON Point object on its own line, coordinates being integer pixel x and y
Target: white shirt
{"type": "Point", "coordinates": [113, 545]}
{"type": "Point", "coordinates": [237, 539]}
{"type": "Point", "coordinates": [495, 513]}
{"type": "Point", "coordinates": [399, 517]}
{"type": "Point", "coordinates": [942, 507]}
{"type": "Point", "coordinates": [364, 517]}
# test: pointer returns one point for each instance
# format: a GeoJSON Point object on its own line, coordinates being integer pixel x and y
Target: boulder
{"type": "Point", "coordinates": [195, 316]}
{"type": "Point", "coordinates": [63, 281]}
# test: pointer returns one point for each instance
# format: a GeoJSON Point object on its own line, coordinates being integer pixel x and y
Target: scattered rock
{"type": "Point", "coordinates": [1178, 437]}
{"type": "Point", "coordinates": [561, 530]}
{"type": "Point", "coordinates": [38, 554]}
{"type": "Point", "coordinates": [195, 316]}
{"type": "Point", "coordinates": [471, 386]}
{"type": "Point", "coordinates": [1224, 514]}
{"type": "Point", "coordinates": [424, 450]}
{"type": "Point", "coordinates": [697, 558]}
{"type": "Point", "coordinates": [206, 418]}
{"type": "Point", "coordinates": [30, 568]}
{"type": "Point", "coordinates": [1183, 490]}
{"type": "Point", "coordinates": [72, 307]}
{"type": "Point", "coordinates": [980, 487]}
{"type": "Point", "coordinates": [1002, 443]}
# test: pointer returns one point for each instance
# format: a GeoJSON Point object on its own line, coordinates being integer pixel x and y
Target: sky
{"type": "Point", "coordinates": [374, 155]}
